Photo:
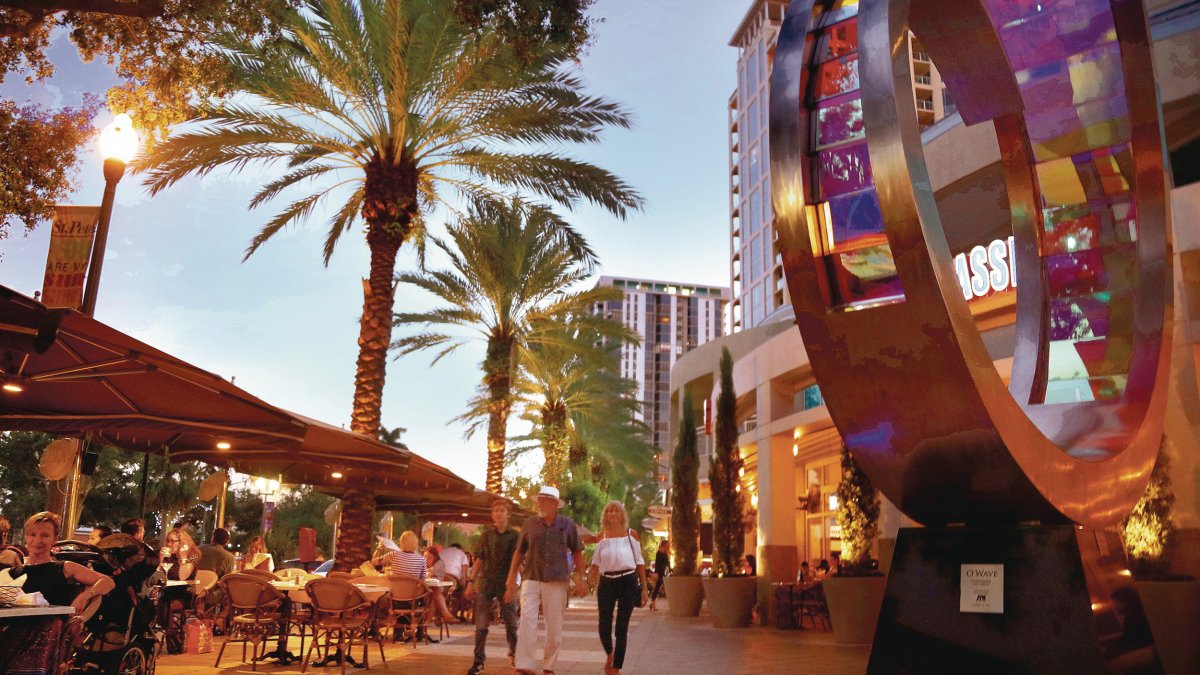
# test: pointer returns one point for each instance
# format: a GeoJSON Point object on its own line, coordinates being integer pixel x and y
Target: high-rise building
{"type": "Point", "coordinates": [671, 319]}
{"type": "Point", "coordinates": [756, 270]}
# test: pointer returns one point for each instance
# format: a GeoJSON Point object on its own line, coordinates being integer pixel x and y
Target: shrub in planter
{"type": "Point", "coordinates": [855, 593]}
{"type": "Point", "coordinates": [684, 590]}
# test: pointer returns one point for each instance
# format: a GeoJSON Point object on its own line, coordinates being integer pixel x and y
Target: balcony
{"type": "Point", "coordinates": [923, 104]}
{"type": "Point", "coordinates": [922, 56]}
{"type": "Point", "coordinates": [925, 80]}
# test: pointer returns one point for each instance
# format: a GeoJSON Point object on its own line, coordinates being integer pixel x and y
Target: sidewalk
{"type": "Point", "coordinates": [658, 645]}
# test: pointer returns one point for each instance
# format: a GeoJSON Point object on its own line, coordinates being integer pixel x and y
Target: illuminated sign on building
{"type": "Point", "coordinates": [986, 269]}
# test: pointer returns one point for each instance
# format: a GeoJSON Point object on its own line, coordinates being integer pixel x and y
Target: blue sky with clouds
{"type": "Point", "coordinates": [286, 327]}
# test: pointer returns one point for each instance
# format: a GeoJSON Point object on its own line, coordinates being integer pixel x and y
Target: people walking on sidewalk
{"type": "Point", "coordinates": [545, 543]}
{"type": "Point", "coordinates": [493, 557]}
{"type": "Point", "coordinates": [621, 570]}
{"type": "Point", "coordinates": [662, 565]}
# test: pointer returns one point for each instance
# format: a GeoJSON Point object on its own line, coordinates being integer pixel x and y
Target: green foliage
{"type": "Point", "coordinates": [724, 478]}
{"type": "Point", "coordinates": [47, 145]}
{"type": "Point", "coordinates": [585, 502]}
{"type": "Point", "coordinates": [1148, 531]}
{"type": "Point", "coordinates": [302, 507]}
{"type": "Point", "coordinates": [857, 515]}
{"type": "Point", "coordinates": [532, 26]}
{"type": "Point", "coordinates": [685, 494]}
{"type": "Point", "coordinates": [22, 488]}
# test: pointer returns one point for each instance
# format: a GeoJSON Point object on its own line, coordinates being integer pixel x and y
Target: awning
{"type": "Point", "coordinates": [471, 508]}
{"type": "Point", "coordinates": [78, 376]}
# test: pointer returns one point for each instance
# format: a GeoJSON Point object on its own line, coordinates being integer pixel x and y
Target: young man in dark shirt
{"type": "Point", "coordinates": [492, 560]}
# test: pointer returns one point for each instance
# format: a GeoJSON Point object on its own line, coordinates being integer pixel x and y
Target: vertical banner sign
{"type": "Point", "coordinates": [268, 516]}
{"type": "Point", "coordinates": [708, 416]}
{"type": "Point", "coordinates": [67, 261]}
{"type": "Point", "coordinates": [981, 589]}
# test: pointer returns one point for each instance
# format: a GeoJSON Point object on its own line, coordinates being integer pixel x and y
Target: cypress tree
{"type": "Point", "coordinates": [685, 494]}
{"type": "Point", "coordinates": [723, 478]}
{"type": "Point", "coordinates": [857, 514]}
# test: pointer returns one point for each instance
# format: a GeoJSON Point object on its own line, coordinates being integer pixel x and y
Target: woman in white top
{"type": "Point", "coordinates": [619, 565]}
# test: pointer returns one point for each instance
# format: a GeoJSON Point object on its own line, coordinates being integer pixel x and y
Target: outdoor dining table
{"type": "Point", "coordinates": [31, 638]}
{"type": "Point", "coordinates": [293, 593]}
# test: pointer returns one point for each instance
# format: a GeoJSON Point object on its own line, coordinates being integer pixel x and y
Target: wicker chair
{"type": "Point", "coordinates": [259, 574]}
{"type": "Point", "coordinates": [255, 606]}
{"type": "Point", "coordinates": [341, 616]}
{"type": "Point", "coordinates": [410, 600]}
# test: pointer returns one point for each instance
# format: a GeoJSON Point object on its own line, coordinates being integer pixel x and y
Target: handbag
{"type": "Point", "coordinates": [641, 597]}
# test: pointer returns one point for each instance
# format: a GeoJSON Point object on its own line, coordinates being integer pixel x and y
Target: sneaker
{"type": "Point", "coordinates": [475, 669]}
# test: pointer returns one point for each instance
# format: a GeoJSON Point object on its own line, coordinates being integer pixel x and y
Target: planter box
{"type": "Point", "coordinates": [854, 604]}
{"type": "Point", "coordinates": [1173, 609]}
{"type": "Point", "coordinates": [684, 595]}
{"type": "Point", "coordinates": [731, 600]}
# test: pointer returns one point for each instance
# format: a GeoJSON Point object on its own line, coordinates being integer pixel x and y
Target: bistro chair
{"type": "Point", "coordinates": [338, 575]}
{"type": "Point", "coordinates": [259, 574]}
{"type": "Point", "coordinates": [255, 605]}
{"type": "Point", "coordinates": [341, 616]}
{"type": "Point", "coordinates": [381, 614]}
{"type": "Point", "coordinates": [812, 604]}
{"type": "Point", "coordinates": [410, 601]}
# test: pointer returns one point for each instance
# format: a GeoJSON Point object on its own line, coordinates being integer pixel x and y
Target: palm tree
{"type": "Point", "coordinates": [384, 104]}
{"type": "Point", "coordinates": [571, 393]}
{"type": "Point", "coordinates": [510, 268]}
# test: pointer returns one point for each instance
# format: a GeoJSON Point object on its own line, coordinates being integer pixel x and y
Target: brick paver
{"type": "Point", "coordinates": [659, 645]}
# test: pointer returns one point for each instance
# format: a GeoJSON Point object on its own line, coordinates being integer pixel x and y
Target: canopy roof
{"type": "Point", "coordinates": [79, 376]}
{"type": "Point", "coordinates": [473, 508]}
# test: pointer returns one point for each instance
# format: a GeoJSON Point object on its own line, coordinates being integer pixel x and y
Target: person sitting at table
{"type": "Point", "coordinates": [56, 579]}
{"type": "Point", "coordinates": [99, 531]}
{"type": "Point", "coordinates": [182, 554]}
{"type": "Point", "coordinates": [10, 554]}
{"type": "Point", "coordinates": [257, 556]}
{"type": "Point", "coordinates": [822, 569]}
{"type": "Point", "coordinates": [135, 527]}
{"type": "Point", "coordinates": [437, 570]}
{"type": "Point", "coordinates": [408, 561]}
{"type": "Point", "coordinates": [805, 574]}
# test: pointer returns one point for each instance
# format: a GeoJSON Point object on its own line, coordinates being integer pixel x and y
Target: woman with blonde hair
{"type": "Point", "coordinates": [619, 565]}
{"type": "Point", "coordinates": [257, 555]}
{"type": "Point", "coordinates": [405, 561]}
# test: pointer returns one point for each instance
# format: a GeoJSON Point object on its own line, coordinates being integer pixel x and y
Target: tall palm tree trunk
{"type": "Point", "coordinates": [556, 444]}
{"type": "Point", "coordinates": [498, 367]}
{"type": "Point", "coordinates": [389, 207]}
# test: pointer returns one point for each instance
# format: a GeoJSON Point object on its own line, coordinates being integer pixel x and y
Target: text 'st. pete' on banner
{"type": "Point", "coordinates": [70, 250]}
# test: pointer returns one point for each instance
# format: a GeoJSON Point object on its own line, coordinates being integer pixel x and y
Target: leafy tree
{"type": "Point", "coordinates": [724, 478]}
{"type": "Point", "coordinates": [532, 26]}
{"type": "Point", "coordinates": [510, 265]}
{"type": "Point", "coordinates": [392, 436]}
{"type": "Point", "coordinates": [23, 491]}
{"type": "Point", "coordinates": [857, 515]}
{"type": "Point", "coordinates": [302, 507]}
{"type": "Point", "coordinates": [1148, 531]}
{"type": "Point", "coordinates": [685, 493]}
{"type": "Point", "coordinates": [41, 148]}
{"type": "Point", "coordinates": [391, 101]}
{"type": "Point", "coordinates": [585, 502]}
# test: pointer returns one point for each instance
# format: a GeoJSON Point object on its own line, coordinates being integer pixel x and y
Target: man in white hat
{"type": "Point", "coordinates": [546, 540]}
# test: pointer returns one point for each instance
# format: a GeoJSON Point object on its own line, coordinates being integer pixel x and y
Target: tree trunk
{"type": "Point", "coordinates": [354, 530]}
{"type": "Point", "coordinates": [390, 208]}
{"type": "Point", "coordinates": [498, 370]}
{"type": "Point", "coordinates": [555, 444]}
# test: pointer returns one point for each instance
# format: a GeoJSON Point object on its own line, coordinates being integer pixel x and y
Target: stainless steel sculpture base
{"type": "Point", "coordinates": [1067, 607]}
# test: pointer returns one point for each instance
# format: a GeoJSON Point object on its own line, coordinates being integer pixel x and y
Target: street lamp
{"type": "Point", "coordinates": [118, 143]}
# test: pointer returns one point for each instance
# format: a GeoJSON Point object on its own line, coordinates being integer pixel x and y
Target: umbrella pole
{"type": "Point", "coordinates": [145, 476]}
{"type": "Point", "coordinates": [221, 501]}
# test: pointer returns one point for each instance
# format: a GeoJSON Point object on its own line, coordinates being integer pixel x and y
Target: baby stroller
{"type": "Point", "coordinates": [122, 637]}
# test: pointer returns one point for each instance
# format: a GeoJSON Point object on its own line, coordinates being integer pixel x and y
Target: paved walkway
{"type": "Point", "coordinates": [659, 645]}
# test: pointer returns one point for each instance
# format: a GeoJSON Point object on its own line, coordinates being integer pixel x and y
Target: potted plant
{"type": "Point", "coordinates": [731, 595]}
{"type": "Point", "coordinates": [1171, 601]}
{"type": "Point", "coordinates": [685, 592]}
{"type": "Point", "coordinates": [855, 592]}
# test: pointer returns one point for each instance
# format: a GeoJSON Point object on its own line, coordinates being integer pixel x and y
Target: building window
{"type": "Point", "coordinates": [810, 397]}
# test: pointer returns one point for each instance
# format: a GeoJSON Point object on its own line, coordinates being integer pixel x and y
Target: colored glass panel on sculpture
{"type": "Point", "coordinates": [865, 275]}
{"type": "Point", "coordinates": [839, 120]}
{"type": "Point", "coordinates": [853, 217]}
{"type": "Point", "coordinates": [837, 77]}
{"type": "Point", "coordinates": [844, 169]}
{"type": "Point", "coordinates": [840, 40]}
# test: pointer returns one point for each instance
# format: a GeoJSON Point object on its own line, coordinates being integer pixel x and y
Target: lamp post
{"type": "Point", "coordinates": [118, 143]}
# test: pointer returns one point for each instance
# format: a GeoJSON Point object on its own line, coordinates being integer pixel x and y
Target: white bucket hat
{"type": "Point", "coordinates": [551, 492]}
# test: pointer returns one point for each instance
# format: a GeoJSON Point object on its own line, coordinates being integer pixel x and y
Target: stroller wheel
{"type": "Point", "coordinates": [133, 663]}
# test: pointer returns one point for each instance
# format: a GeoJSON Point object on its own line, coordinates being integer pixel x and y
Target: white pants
{"type": "Point", "coordinates": [552, 597]}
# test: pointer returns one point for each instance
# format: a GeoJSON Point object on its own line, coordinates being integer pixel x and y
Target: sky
{"type": "Point", "coordinates": [286, 327]}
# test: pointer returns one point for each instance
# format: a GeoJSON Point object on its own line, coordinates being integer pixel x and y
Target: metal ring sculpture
{"type": "Point", "coordinates": [1069, 87]}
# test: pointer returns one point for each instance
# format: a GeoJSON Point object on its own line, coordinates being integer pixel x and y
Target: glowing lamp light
{"type": "Point", "coordinates": [754, 500]}
{"type": "Point", "coordinates": [335, 475]}
{"type": "Point", "coordinates": [738, 488]}
{"type": "Point", "coordinates": [795, 449]}
{"type": "Point", "coordinates": [833, 502]}
{"type": "Point", "coordinates": [464, 515]}
{"type": "Point", "coordinates": [118, 140]}
{"type": "Point", "coordinates": [224, 445]}
{"type": "Point", "coordinates": [1125, 573]}
{"type": "Point", "coordinates": [741, 472]}
{"type": "Point", "coordinates": [13, 388]}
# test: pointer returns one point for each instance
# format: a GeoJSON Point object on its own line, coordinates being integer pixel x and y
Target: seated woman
{"type": "Point", "coordinates": [257, 556]}
{"type": "Point", "coordinates": [183, 556]}
{"type": "Point", "coordinates": [437, 570]}
{"type": "Point", "coordinates": [34, 643]}
{"type": "Point", "coordinates": [408, 561]}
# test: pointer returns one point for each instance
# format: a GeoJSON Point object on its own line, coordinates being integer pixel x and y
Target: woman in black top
{"type": "Point", "coordinates": [662, 562]}
{"type": "Point", "coordinates": [55, 579]}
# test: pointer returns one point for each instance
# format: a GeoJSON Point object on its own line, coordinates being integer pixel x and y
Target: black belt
{"type": "Point", "coordinates": [618, 574]}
